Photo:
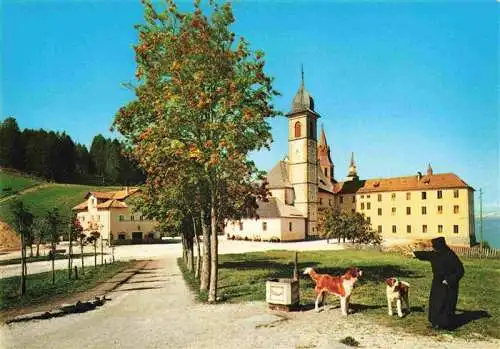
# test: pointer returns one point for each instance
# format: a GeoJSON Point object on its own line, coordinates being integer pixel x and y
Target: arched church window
{"type": "Point", "coordinates": [297, 129]}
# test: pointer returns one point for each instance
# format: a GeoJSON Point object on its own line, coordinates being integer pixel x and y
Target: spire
{"type": "Point", "coordinates": [322, 137]}
{"type": "Point", "coordinates": [353, 172]}
{"type": "Point", "coordinates": [303, 99]}
{"type": "Point", "coordinates": [429, 170]}
{"type": "Point", "coordinates": [352, 163]}
{"type": "Point", "coordinates": [302, 74]}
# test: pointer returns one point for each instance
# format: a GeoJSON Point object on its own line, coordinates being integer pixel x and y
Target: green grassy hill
{"type": "Point", "coordinates": [12, 182]}
{"type": "Point", "coordinates": [42, 198]}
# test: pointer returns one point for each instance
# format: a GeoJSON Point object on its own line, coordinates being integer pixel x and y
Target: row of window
{"type": "Point", "coordinates": [439, 195]}
{"type": "Point", "coordinates": [342, 199]}
{"type": "Point", "coordinates": [423, 230]}
{"type": "Point", "coordinates": [264, 226]}
{"type": "Point", "coordinates": [120, 218]}
{"type": "Point", "coordinates": [456, 209]}
{"type": "Point", "coordinates": [135, 235]}
{"type": "Point", "coordinates": [92, 218]}
{"type": "Point", "coordinates": [132, 218]}
{"type": "Point", "coordinates": [329, 201]}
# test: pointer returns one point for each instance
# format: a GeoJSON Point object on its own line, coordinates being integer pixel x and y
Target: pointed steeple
{"type": "Point", "coordinates": [324, 158]}
{"type": "Point", "coordinates": [322, 137]}
{"type": "Point", "coordinates": [353, 172]}
{"type": "Point", "coordinates": [429, 170]}
{"type": "Point", "coordinates": [302, 74]}
{"type": "Point", "coordinates": [303, 99]}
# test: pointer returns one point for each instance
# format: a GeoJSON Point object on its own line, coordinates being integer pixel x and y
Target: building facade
{"type": "Point", "coordinates": [112, 215]}
{"type": "Point", "coordinates": [400, 208]}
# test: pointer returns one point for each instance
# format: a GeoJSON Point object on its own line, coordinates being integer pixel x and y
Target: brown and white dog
{"type": "Point", "coordinates": [340, 286]}
{"type": "Point", "coordinates": [397, 290]}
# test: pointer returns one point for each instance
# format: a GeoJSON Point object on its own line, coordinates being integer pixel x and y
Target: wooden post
{"type": "Point", "coordinates": [295, 268]}
{"type": "Point", "coordinates": [76, 272]}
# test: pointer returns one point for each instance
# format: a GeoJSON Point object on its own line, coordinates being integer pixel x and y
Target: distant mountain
{"type": "Point", "coordinates": [490, 215]}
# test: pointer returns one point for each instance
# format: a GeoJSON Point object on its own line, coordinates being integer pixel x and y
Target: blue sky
{"type": "Point", "coordinates": [400, 84]}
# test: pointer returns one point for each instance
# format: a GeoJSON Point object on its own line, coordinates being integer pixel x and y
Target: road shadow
{"type": "Point", "coordinates": [137, 289]}
{"type": "Point", "coordinates": [417, 309]}
{"type": "Point", "coordinates": [465, 316]}
{"type": "Point", "coordinates": [147, 280]}
{"type": "Point", "coordinates": [375, 273]}
{"type": "Point", "coordinates": [146, 272]}
{"type": "Point", "coordinates": [359, 308]}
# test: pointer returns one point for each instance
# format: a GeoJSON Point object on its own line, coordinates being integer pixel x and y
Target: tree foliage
{"type": "Point", "coordinates": [23, 222]}
{"type": "Point", "coordinates": [202, 103]}
{"type": "Point", "coordinates": [56, 157]}
{"type": "Point", "coordinates": [353, 226]}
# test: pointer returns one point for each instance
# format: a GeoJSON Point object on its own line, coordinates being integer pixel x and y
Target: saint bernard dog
{"type": "Point", "coordinates": [397, 290]}
{"type": "Point", "coordinates": [340, 286]}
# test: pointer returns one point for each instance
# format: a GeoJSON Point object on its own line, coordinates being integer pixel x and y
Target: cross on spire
{"type": "Point", "coordinates": [302, 73]}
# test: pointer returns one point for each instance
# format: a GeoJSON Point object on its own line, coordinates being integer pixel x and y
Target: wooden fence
{"type": "Point", "coordinates": [477, 252]}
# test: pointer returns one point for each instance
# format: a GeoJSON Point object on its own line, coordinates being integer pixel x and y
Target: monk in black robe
{"type": "Point", "coordinates": [447, 271]}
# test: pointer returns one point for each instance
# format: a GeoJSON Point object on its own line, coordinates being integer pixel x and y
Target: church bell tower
{"type": "Point", "coordinates": [302, 156]}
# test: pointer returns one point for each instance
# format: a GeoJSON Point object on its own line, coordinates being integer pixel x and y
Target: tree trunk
{"type": "Point", "coordinates": [23, 269]}
{"type": "Point", "coordinates": [205, 262]}
{"type": "Point", "coordinates": [212, 292]}
{"type": "Point", "coordinates": [31, 250]}
{"type": "Point", "coordinates": [70, 252]}
{"type": "Point", "coordinates": [38, 249]}
{"type": "Point", "coordinates": [102, 251]}
{"type": "Point", "coordinates": [25, 259]}
{"type": "Point", "coordinates": [81, 256]}
{"type": "Point", "coordinates": [95, 254]}
{"type": "Point", "coordinates": [184, 248]}
{"type": "Point", "coordinates": [198, 258]}
{"type": "Point", "coordinates": [53, 261]}
{"type": "Point", "coordinates": [190, 256]}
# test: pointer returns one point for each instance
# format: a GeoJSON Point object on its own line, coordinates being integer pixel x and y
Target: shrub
{"type": "Point", "coordinates": [350, 341]}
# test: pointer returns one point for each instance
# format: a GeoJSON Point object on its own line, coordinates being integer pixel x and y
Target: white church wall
{"type": "Point", "coordinates": [253, 229]}
{"type": "Point", "coordinates": [275, 228]}
{"type": "Point", "coordinates": [297, 231]}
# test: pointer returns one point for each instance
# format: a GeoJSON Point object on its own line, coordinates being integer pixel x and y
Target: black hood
{"type": "Point", "coordinates": [439, 244]}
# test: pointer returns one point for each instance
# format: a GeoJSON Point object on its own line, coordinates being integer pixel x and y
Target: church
{"type": "Point", "coordinates": [400, 208]}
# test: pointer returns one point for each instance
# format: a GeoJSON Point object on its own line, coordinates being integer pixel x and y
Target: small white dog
{"type": "Point", "coordinates": [397, 290]}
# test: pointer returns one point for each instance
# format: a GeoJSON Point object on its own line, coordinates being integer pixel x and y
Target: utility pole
{"type": "Point", "coordinates": [481, 217]}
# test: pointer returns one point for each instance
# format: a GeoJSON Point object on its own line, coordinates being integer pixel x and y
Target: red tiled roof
{"type": "Point", "coordinates": [111, 198]}
{"type": "Point", "coordinates": [435, 181]}
{"type": "Point", "coordinates": [112, 204]}
{"type": "Point", "coordinates": [82, 206]}
{"type": "Point", "coordinates": [118, 195]}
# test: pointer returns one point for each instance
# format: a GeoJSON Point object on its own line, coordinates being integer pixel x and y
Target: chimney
{"type": "Point", "coordinates": [419, 176]}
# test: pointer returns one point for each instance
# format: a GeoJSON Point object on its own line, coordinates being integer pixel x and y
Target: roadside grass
{"type": "Point", "coordinates": [242, 278]}
{"type": "Point", "coordinates": [39, 288]}
{"type": "Point", "coordinates": [11, 182]}
{"type": "Point", "coordinates": [192, 282]}
{"type": "Point", "coordinates": [60, 196]}
{"type": "Point", "coordinates": [76, 256]}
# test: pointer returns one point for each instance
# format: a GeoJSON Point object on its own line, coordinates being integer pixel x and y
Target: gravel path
{"type": "Point", "coordinates": [154, 309]}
